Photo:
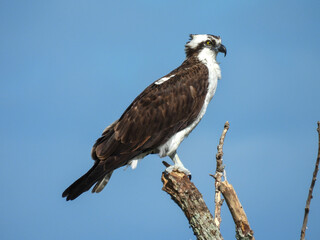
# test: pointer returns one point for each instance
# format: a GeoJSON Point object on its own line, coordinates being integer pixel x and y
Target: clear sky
{"type": "Point", "coordinates": [70, 68]}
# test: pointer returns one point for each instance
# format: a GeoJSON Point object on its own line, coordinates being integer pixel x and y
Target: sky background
{"type": "Point", "coordinates": [70, 68]}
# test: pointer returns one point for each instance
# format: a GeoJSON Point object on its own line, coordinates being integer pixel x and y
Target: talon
{"type": "Point", "coordinates": [170, 169]}
{"type": "Point", "coordinates": [178, 166]}
{"type": "Point", "coordinates": [179, 169]}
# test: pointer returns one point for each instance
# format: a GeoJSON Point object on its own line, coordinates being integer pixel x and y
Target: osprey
{"type": "Point", "coordinates": [158, 119]}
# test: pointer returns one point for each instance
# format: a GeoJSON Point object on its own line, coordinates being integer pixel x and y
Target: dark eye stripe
{"type": "Point", "coordinates": [211, 42]}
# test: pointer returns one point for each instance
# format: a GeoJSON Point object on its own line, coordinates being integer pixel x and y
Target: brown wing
{"type": "Point", "coordinates": [154, 116]}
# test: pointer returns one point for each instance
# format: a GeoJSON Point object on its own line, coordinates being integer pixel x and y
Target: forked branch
{"type": "Point", "coordinates": [243, 230]}
{"type": "Point", "coordinates": [218, 177]}
{"type": "Point", "coordinates": [184, 193]}
{"type": "Point", "coordinates": [189, 199]}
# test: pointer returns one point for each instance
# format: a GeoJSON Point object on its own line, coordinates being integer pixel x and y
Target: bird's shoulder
{"type": "Point", "coordinates": [158, 112]}
{"type": "Point", "coordinates": [171, 104]}
{"type": "Point", "coordinates": [191, 74]}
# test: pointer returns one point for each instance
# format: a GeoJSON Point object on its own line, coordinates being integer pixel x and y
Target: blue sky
{"type": "Point", "coordinates": [70, 68]}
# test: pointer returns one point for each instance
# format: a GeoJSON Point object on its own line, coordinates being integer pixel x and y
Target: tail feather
{"type": "Point", "coordinates": [84, 183]}
{"type": "Point", "coordinates": [100, 173]}
{"type": "Point", "coordinates": [102, 183]}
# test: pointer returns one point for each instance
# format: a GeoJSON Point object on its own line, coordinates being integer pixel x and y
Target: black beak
{"type": "Point", "coordinates": [222, 49]}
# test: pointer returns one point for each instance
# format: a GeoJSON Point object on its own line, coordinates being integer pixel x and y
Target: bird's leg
{"type": "Point", "coordinates": [178, 166]}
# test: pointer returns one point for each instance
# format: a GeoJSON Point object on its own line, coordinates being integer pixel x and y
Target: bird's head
{"type": "Point", "coordinates": [198, 42]}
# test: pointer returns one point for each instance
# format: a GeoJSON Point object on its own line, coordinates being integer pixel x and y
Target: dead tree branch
{"type": "Point", "coordinates": [243, 230]}
{"type": "Point", "coordinates": [314, 178]}
{"type": "Point", "coordinates": [218, 176]}
{"type": "Point", "coordinates": [189, 199]}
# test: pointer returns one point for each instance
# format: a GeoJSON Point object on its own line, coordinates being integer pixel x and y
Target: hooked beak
{"type": "Point", "coordinates": [222, 49]}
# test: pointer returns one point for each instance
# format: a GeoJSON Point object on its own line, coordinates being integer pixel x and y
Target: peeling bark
{"type": "Point", "coordinates": [184, 193]}
{"type": "Point", "coordinates": [243, 230]}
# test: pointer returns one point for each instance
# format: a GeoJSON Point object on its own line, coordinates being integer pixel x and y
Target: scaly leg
{"type": "Point", "coordinates": [178, 166]}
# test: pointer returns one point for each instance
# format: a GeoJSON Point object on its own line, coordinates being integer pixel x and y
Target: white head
{"type": "Point", "coordinates": [200, 41]}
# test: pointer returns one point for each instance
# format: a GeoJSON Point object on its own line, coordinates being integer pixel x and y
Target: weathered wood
{"type": "Point", "coordinates": [243, 230]}
{"type": "Point", "coordinates": [189, 199]}
{"type": "Point", "coordinates": [313, 182]}
{"type": "Point", "coordinates": [218, 177]}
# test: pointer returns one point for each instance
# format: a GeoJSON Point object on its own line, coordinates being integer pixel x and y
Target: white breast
{"type": "Point", "coordinates": [208, 57]}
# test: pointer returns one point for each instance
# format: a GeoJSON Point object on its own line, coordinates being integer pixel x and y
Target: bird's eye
{"type": "Point", "coordinates": [208, 43]}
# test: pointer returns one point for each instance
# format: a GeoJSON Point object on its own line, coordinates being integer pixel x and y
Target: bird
{"type": "Point", "coordinates": [159, 118]}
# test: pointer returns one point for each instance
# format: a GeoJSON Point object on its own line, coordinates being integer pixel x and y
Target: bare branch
{"type": "Point", "coordinates": [243, 230]}
{"type": "Point", "coordinates": [314, 178]}
{"type": "Point", "coordinates": [218, 176]}
{"type": "Point", "coordinates": [190, 200]}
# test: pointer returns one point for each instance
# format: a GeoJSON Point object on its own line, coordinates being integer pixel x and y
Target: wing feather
{"type": "Point", "coordinates": [154, 116]}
